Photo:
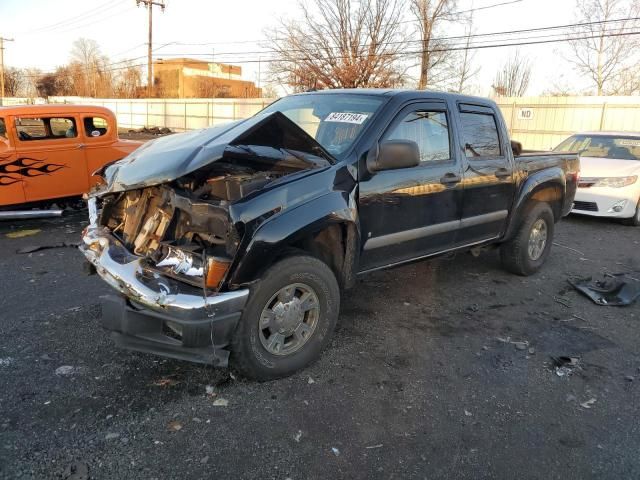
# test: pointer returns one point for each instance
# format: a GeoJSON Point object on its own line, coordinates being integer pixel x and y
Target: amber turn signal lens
{"type": "Point", "coordinates": [216, 269]}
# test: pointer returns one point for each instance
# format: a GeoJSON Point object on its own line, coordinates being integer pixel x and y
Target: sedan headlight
{"type": "Point", "coordinates": [615, 182]}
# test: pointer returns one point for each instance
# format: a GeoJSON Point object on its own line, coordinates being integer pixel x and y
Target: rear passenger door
{"type": "Point", "coordinates": [488, 174]}
{"type": "Point", "coordinates": [411, 212]}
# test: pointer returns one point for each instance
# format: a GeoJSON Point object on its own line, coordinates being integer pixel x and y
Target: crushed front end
{"type": "Point", "coordinates": [168, 243]}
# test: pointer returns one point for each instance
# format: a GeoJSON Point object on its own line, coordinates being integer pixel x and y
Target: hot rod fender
{"type": "Point", "coordinates": [290, 227]}
{"type": "Point", "coordinates": [547, 185]}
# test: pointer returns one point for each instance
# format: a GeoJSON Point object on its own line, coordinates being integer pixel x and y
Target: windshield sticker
{"type": "Point", "coordinates": [628, 142]}
{"type": "Point", "coordinates": [356, 118]}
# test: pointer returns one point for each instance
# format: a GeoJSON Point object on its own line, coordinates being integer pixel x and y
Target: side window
{"type": "Point", "coordinates": [430, 130]}
{"type": "Point", "coordinates": [95, 126]}
{"type": "Point", "coordinates": [480, 135]}
{"type": "Point", "coordinates": [3, 128]}
{"type": "Point", "coordinates": [29, 128]}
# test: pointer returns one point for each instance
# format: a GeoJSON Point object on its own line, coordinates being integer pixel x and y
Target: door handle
{"type": "Point", "coordinates": [450, 179]}
{"type": "Point", "coordinates": [503, 173]}
{"type": "Point", "coordinates": [80, 146]}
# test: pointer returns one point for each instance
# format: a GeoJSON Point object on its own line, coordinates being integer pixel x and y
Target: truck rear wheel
{"type": "Point", "coordinates": [288, 320]}
{"type": "Point", "coordinates": [527, 251]}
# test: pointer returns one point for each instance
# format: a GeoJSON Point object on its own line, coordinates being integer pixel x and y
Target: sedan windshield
{"type": "Point", "coordinates": [602, 146]}
{"type": "Point", "coordinates": [333, 120]}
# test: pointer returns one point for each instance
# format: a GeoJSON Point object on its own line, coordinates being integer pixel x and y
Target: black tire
{"type": "Point", "coordinates": [515, 254]}
{"type": "Point", "coordinates": [635, 220]}
{"type": "Point", "coordinates": [248, 354]}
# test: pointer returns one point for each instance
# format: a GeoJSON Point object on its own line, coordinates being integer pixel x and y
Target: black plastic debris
{"type": "Point", "coordinates": [613, 289]}
{"type": "Point", "coordinates": [565, 366]}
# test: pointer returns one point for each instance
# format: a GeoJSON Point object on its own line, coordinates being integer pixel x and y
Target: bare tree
{"type": "Point", "coordinates": [29, 85]}
{"type": "Point", "coordinates": [13, 79]}
{"type": "Point", "coordinates": [513, 79]}
{"type": "Point", "coordinates": [86, 54]}
{"type": "Point", "coordinates": [603, 50]}
{"type": "Point", "coordinates": [340, 44]}
{"type": "Point", "coordinates": [128, 82]}
{"type": "Point", "coordinates": [431, 14]}
{"type": "Point", "coordinates": [464, 69]}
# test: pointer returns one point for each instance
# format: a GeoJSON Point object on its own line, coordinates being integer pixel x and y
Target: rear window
{"type": "Point", "coordinates": [480, 135]}
{"type": "Point", "coordinates": [602, 146]}
{"type": "Point", "coordinates": [95, 126]}
{"type": "Point", "coordinates": [45, 128]}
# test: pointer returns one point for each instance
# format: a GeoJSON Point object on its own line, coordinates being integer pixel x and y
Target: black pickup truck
{"type": "Point", "coordinates": [234, 242]}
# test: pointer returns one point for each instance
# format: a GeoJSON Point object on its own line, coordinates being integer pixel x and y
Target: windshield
{"type": "Point", "coordinates": [333, 120]}
{"type": "Point", "coordinates": [602, 146]}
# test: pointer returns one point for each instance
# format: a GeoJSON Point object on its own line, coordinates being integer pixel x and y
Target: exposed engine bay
{"type": "Point", "coordinates": [183, 228]}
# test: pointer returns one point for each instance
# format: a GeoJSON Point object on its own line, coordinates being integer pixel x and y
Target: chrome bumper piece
{"type": "Point", "coordinates": [126, 273]}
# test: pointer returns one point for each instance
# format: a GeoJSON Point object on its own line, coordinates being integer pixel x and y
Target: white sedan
{"type": "Point", "coordinates": [609, 174]}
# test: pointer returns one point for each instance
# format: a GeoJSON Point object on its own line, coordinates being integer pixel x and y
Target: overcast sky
{"type": "Point", "coordinates": [44, 31]}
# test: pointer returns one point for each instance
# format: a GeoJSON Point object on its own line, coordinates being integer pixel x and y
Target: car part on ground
{"type": "Point", "coordinates": [28, 214]}
{"type": "Point", "coordinates": [612, 290]}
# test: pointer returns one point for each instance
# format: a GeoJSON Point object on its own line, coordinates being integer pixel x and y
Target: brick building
{"type": "Point", "coordinates": [190, 78]}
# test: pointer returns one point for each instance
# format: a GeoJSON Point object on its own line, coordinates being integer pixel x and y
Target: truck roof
{"type": "Point", "coordinates": [404, 93]}
{"type": "Point", "coordinates": [50, 108]}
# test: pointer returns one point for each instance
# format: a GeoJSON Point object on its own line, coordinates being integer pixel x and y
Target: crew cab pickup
{"type": "Point", "coordinates": [234, 242]}
{"type": "Point", "coordinates": [49, 152]}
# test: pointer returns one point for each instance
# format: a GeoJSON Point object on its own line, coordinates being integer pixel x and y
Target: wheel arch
{"type": "Point", "coordinates": [325, 228]}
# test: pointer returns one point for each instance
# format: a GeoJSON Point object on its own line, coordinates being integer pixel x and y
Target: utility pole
{"type": "Point", "coordinates": [2, 40]}
{"type": "Point", "coordinates": [150, 4]}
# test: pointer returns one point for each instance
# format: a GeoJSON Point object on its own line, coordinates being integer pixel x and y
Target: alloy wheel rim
{"type": "Point", "coordinates": [537, 239]}
{"type": "Point", "coordinates": [289, 319]}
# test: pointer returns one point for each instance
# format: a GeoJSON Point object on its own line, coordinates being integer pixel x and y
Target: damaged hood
{"type": "Point", "coordinates": [169, 158]}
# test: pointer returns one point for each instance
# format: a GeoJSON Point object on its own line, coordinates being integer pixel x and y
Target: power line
{"type": "Point", "coordinates": [417, 52]}
{"type": "Point", "coordinates": [73, 20]}
{"type": "Point", "coordinates": [436, 39]}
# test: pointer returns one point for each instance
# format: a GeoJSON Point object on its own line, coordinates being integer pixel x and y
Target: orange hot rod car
{"type": "Point", "coordinates": [48, 153]}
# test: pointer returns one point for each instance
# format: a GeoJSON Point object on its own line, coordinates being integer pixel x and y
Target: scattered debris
{"type": "Point", "coordinates": [298, 436]}
{"type": "Point", "coordinates": [374, 446]}
{"type": "Point", "coordinates": [562, 302]}
{"type": "Point", "coordinates": [23, 233]}
{"type": "Point", "coordinates": [204, 460]}
{"type": "Point", "coordinates": [174, 426]}
{"type": "Point", "coordinates": [112, 436]}
{"type": "Point", "coordinates": [65, 370]}
{"type": "Point", "coordinates": [76, 471]}
{"type": "Point", "coordinates": [36, 248]}
{"type": "Point", "coordinates": [569, 248]}
{"type": "Point", "coordinates": [335, 451]}
{"type": "Point", "coordinates": [565, 366]}
{"type": "Point", "coordinates": [588, 403]}
{"type": "Point", "coordinates": [209, 390]}
{"type": "Point", "coordinates": [165, 382]}
{"type": "Point", "coordinates": [221, 402]}
{"type": "Point", "coordinates": [468, 413]}
{"type": "Point", "coordinates": [310, 381]}
{"type": "Point", "coordinates": [406, 304]}
{"type": "Point", "coordinates": [152, 130]}
{"type": "Point", "coordinates": [629, 378]}
{"type": "Point", "coordinates": [613, 289]}
{"type": "Point", "coordinates": [532, 351]}
{"type": "Point", "coordinates": [5, 362]}
{"type": "Point", "coordinates": [521, 345]}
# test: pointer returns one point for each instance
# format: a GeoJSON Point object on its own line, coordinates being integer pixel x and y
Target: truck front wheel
{"type": "Point", "coordinates": [288, 320]}
{"type": "Point", "coordinates": [525, 253]}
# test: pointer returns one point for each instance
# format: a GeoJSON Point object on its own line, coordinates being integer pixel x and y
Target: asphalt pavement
{"type": "Point", "coordinates": [440, 369]}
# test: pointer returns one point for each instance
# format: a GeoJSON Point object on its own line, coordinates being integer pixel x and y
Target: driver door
{"type": "Point", "coordinates": [413, 212]}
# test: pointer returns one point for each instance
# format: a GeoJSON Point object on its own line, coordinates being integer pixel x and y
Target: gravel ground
{"type": "Point", "coordinates": [422, 379]}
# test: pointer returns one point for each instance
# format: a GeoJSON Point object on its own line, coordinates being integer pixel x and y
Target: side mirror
{"type": "Point", "coordinates": [394, 154]}
{"type": "Point", "coordinates": [516, 148]}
